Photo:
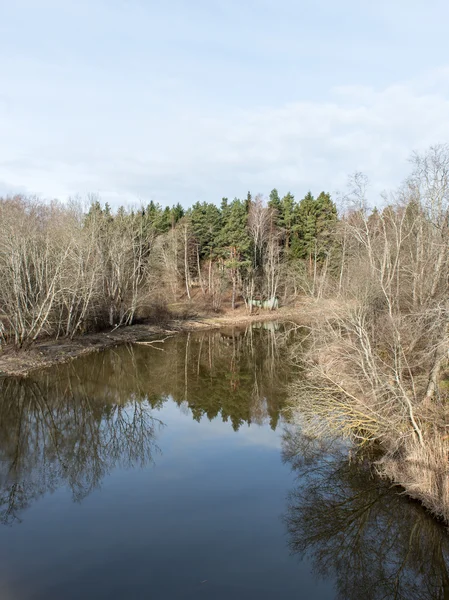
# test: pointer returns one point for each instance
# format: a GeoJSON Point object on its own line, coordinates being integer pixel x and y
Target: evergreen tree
{"type": "Point", "coordinates": [248, 201]}
{"type": "Point", "coordinates": [305, 228]}
{"type": "Point", "coordinates": [163, 219]}
{"type": "Point", "coordinates": [326, 219]}
{"type": "Point", "coordinates": [234, 241]}
{"type": "Point", "coordinates": [287, 220]}
{"type": "Point", "coordinates": [177, 212]}
{"type": "Point", "coordinates": [234, 233]}
{"type": "Point", "coordinates": [206, 224]}
{"type": "Point", "coordinates": [151, 212]}
{"type": "Point", "coordinates": [316, 219]}
{"type": "Point", "coordinates": [274, 203]}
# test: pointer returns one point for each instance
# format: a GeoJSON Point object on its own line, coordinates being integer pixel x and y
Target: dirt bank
{"type": "Point", "coordinates": [46, 353]}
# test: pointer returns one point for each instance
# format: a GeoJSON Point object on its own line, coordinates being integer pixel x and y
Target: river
{"type": "Point", "coordinates": [169, 471]}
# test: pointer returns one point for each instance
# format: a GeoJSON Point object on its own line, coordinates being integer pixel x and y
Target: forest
{"type": "Point", "coordinates": [374, 366]}
{"type": "Point", "coordinates": [65, 270]}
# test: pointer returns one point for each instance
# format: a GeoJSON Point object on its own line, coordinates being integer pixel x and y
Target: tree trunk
{"type": "Point", "coordinates": [200, 277]}
{"type": "Point", "coordinates": [186, 263]}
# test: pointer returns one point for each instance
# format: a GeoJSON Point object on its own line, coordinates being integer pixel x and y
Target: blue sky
{"type": "Point", "coordinates": [179, 101]}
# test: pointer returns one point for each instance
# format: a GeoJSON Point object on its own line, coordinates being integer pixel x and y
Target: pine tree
{"type": "Point", "coordinates": [316, 220]}
{"type": "Point", "coordinates": [248, 201]}
{"type": "Point", "coordinates": [287, 221]}
{"type": "Point", "coordinates": [163, 219]}
{"type": "Point", "coordinates": [177, 212]}
{"type": "Point", "coordinates": [206, 224]}
{"type": "Point", "coordinates": [234, 241]}
{"type": "Point", "coordinates": [274, 203]}
{"type": "Point", "coordinates": [305, 230]}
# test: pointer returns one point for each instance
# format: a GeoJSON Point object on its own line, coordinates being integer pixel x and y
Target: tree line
{"type": "Point", "coordinates": [67, 270]}
{"type": "Point", "coordinates": [375, 369]}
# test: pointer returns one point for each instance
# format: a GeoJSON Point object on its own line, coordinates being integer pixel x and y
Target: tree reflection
{"type": "Point", "coordinates": [237, 374]}
{"type": "Point", "coordinates": [52, 432]}
{"type": "Point", "coordinates": [359, 531]}
{"type": "Point", "coordinates": [73, 424]}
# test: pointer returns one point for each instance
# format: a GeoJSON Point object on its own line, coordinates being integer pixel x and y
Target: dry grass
{"type": "Point", "coordinates": [354, 387]}
{"type": "Point", "coordinates": [422, 470]}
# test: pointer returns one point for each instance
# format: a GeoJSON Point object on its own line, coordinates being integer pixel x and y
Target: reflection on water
{"type": "Point", "coordinates": [200, 416]}
{"type": "Point", "coordinates": [53, 432]}
{"type": "Point", "coordinates": [359, 531]}
{"type": "Point", "coordinates": [72, 424]}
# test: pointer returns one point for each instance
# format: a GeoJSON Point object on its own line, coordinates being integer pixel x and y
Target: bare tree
{"type": "Point", "coordinates": [374, 368]}
{"type": "Point", "coordinates": [33, 254]}
{"type": "Point", "coordinates": [259, 219]}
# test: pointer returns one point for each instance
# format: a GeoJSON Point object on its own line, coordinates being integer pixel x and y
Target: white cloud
{"type": "Point", "coordinates": [136, 114]}
{"type": "Point", "coordinates": [190, 156]}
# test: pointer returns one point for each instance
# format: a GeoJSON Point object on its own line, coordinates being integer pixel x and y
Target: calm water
{"type": "Point", "coordinates": [168, 472]}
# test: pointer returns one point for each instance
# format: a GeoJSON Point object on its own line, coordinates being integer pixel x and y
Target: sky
{"type": "Point", "coordinates": [192, 100]}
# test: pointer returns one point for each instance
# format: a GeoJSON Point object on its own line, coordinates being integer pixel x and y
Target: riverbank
{"type": "Point", "coordinates": [47, 352]}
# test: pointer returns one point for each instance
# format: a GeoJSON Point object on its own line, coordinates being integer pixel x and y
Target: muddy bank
{"type": "Point", "coordinates": [46, 353]}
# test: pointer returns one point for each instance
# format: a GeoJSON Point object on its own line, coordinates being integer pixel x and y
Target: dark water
{"type": "Point", "coordinates": [170, 473]}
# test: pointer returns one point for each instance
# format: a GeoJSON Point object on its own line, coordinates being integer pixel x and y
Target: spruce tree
{"type": "Point", "coordinates": [274, 203]}
{"type": "Point", "coordinates": [234, 241]}
{"type": "Point", "coordinates": [287, 220]}
{"type": "Point", "coordinates": [206, 224]}
{"type": "Point", "coordinates": [326, 219]}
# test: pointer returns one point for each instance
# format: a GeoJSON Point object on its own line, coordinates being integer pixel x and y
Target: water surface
{"type": "Point", "coordinates": [168, 471]}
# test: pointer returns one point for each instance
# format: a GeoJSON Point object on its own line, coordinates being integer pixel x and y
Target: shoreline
{"type": "Point", "coordinates": [48, 352]}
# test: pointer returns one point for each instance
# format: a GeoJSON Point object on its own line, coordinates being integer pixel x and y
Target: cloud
{"type": "Point", "coordinates": [296, 146]}
{"type": "Point", "coordinates": [154, 142]}
{"type": "Point", "coordinates": [179, 102]}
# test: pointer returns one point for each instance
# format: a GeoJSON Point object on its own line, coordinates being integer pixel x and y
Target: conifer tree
{"type": "Point", "coordinates": [274, 203]}
{"type": "Point", "coordinates": [206, 223]}
{"type": "Point", "coordinates": [288, 217]}
{"type": "Point", "coordinates": [234, 241]}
